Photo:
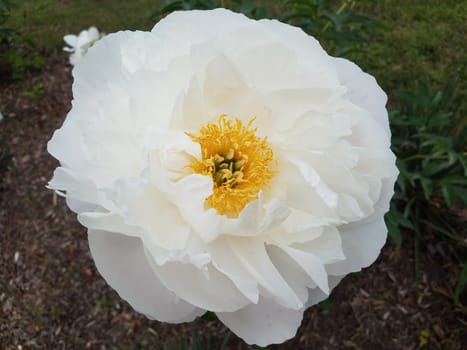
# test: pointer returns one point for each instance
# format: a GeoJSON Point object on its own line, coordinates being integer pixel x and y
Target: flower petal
{"type": "Point", "coordinates": [121, 261]}
{"type": "Point", "coordinates": [363, 90]}
{"type": "Point", "coordinates": [182, 27]}
{"type": "Point", "coordinates": [264, 323]}
{"type": "Point", "coordinates": [71, 40]}
{"type": "Point", "coordinates": [225, 260]}
{"type": "Point", "coordinates": [311, 264]}
{"type": "Point", "coordinates": [361, 244]}
{"type": "Point", "coordinates": [252, 254]}
{"type": "Point", "coordinates": [316, 295]}
{"type": "Point", "coordinates": [205, 287]}
{"type": "Point", "coordinates": [143, 205]}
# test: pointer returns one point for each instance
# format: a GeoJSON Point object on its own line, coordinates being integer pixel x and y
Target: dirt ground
{"type": "Point", "coordinates": [51, 296]}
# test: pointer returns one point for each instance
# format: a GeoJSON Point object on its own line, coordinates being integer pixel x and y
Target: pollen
{"type": "Point", "coordinates": [239, 162]}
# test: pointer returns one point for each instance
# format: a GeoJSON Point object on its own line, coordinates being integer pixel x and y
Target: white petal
{"type": "Point", "coordinates": [299, 222]}
{"type": "Point", "coordinates": [206, 288]}
{"type": "Point", "coordinates": [122, 262]}
{"type": "Point", "coordinates": [102, 64]}
{"type": "Point", "coordinates": [327, 246]}
{"type": "Point", "coordinates": [151, 103]}
{"type": "Point", "coordinates": [197, 26]}
{"type": "Point", "coordinates": [225, 260]}
{"type": "Point", "coordinates": [111, 222]}
{"type": "Point", "coordinates": [256, 218]}
{"type": "Point", "coordinates": [75, 57]}
{"type": "Point", "coordinates": [293, 274]}
{"type": "Point", "coordinates": [71, 40]}
{"type": "Point", "coordinates": [189, 195]}
{"type": "Point", "coordinates": [313, 179]}
{"type": "Point", "coordinates": [387, 191]}
{"type": "Point", "coordinates": [78, 206]}
{"type": "Point", "coordinates": [311, 264]}
{"type": "Point", "coordinates": [316, 295]}
{"type": "Point", "coordinates": [252, 254]}
{"type": "Point", "coordinates": [263, 323]}
{"type": "Point", "coordinates": [143, 205]}
{"type": "Point", "coordinates": [93, 34]}
{"type": "Point", "coordinates": [363, 90]}
{"type": "Point", "coordinates": [81, 195]}
{"type": "Point", "coordinates": [361, 243]}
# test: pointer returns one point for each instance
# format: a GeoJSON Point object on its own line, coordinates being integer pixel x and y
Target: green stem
{"type": "Point", "coordinates": [343, 6]}
{"type": "Point", "coordinates": [423, 156]}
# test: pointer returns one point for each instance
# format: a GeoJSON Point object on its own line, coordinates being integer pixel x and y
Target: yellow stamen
{"type": "Point", "coordinates": [237, 160]}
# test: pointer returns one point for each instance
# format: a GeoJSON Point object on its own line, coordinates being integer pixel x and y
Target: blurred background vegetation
{"type": "Point", "coordinates": [410, 40]}
{"type": "Point", "coordinates": [416, 50]}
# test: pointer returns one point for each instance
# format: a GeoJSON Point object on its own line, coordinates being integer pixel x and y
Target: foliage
{"type": "Point", "coordinates": [248, 7]}
{"type": "Point", "coordinates": [17, 54]}
{"type": "Point", "coordinates": [21, 61]}
{"type": "Point", "coordinates": [47, 21]}
{"type": "Point", "coordinates": [342, 30]}
{"type": "Point", "coordinates": [6, 33]}
{"type": "Point", "coordinates": [430, 141]}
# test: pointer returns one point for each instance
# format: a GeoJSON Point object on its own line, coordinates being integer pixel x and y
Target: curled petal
{"type": "Point", "coordinates": [361, 245]}
{"type": "Point", "coordinates": [263, 323]}
{"type": "Point", "coordinates": [363, 90]}
{"type": "Point", "coordinates": [121, 261]}
{"type": "Point", "coordinates": [205, 287]}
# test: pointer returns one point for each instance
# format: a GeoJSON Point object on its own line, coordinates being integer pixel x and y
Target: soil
{"type": "Point", "coordinates": [52, 297]}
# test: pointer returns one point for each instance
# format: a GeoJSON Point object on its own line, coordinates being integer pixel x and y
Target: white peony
{"type": "Point", "coordinates": [79, 44]}
{"type": "Point", "coordinates": [225, 164]}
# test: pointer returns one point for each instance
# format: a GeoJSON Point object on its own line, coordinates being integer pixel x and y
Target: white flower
{"type": "Point", "coordinates": [225, 164]}
{"type": "Point", "coordinates": [79, 45]}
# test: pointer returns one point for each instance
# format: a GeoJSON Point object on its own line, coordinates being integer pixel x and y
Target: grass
{"type": "Point", "coordinates": [45, 22]}
{"type": "Point", "coordinates": [423, 39]}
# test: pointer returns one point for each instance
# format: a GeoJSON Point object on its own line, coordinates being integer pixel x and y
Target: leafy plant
{"type": "Point", "coordinates": [17, 54]}
{"type": "Point", "coordinates": [430, 141]}
{"type": "Point", "coordinates": [34, 92]}
{"type": "Point", "coordinates": [6, 33]}
{"type": "Point", "coordinates": [22, 61]}
{"type": "Point", "coordinates": [248, 7]}
{"type": "Point", "coordinates": [342, 30]}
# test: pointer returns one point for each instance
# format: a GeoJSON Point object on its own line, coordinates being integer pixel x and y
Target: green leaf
{"type": "Point", "coordinates": [209, 316]}
{"type": "Point", "coordinates": [326, 304]}
{"type": "Point", "coordinates": [452, 194]}
{"type": "Point", "coordinates": [394, 232]}
{"type": "Point", "coordinates": [399, 219]}
{"type": "Point", "coordinates": [462, 283]}
{"type": "Point", "coordinates": [427, 186]}
{"type": "Point", "coordinates": [447, 233]}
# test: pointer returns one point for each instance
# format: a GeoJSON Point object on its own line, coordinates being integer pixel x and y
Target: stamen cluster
{"type": "Point", "coordinates": [237, 160]}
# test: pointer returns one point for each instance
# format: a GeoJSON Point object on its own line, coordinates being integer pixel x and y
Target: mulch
{"type": "Point", "coordinates": [52, 297]}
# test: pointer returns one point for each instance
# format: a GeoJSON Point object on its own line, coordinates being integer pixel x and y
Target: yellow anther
{"type": "Point", "coordinates": [238, 161]}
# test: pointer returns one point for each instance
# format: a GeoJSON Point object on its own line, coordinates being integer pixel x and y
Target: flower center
{"type": "Point", "coordinates": [237, 160]}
